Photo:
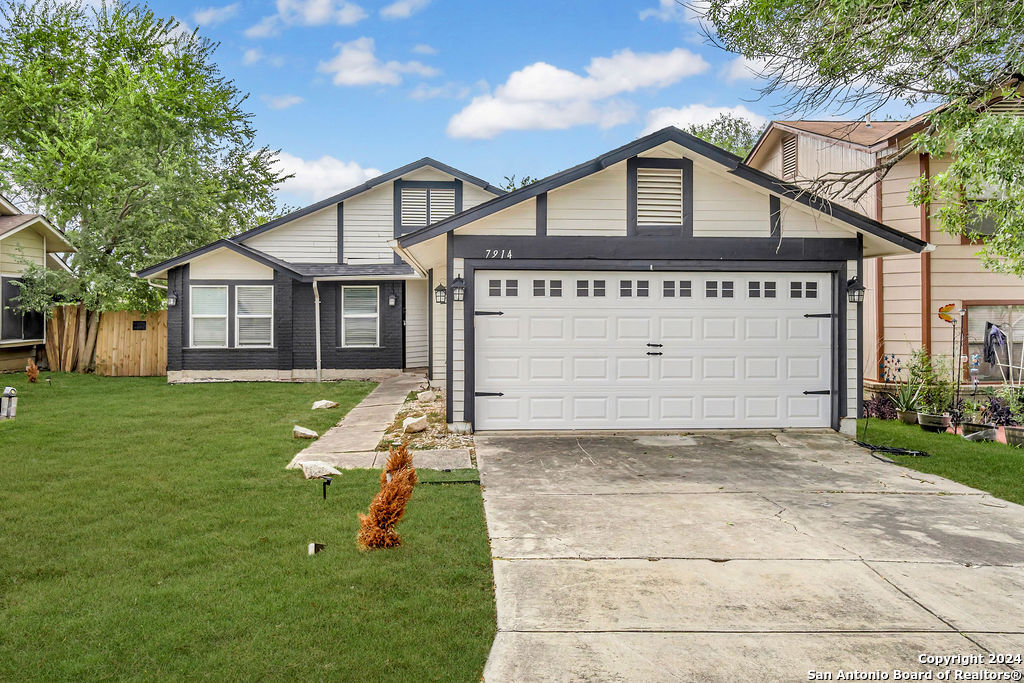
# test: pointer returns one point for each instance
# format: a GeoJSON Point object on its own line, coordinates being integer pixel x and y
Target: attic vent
{"type": "Point", "coordinates": [659, 196]}
{"type": "Point", "coordinates": [1008, 106]}
{"type": "Point", "coordinates": [442, 204]}
{"type": "Point", "coordinates": [789, 144]}
{"type": "Point", "coordinates": [414, 206]}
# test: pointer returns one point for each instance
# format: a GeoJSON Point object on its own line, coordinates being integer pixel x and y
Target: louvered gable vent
{"type": "Point", "coordinates": [789, 145]}
{"type": "Point", "coordinates": [659, 196]}
{"type": "Point", "coordinates": [414, 206]}
{"type": "Point", "coordinates": [442, 204]}
{"type": "Point", "coordinates": [1009, 105]}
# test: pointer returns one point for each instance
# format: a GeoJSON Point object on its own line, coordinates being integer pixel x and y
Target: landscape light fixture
{"type": "Point", "coordinates": [855, 291]}
{"type": "Point", "coordinates": [458, 289]}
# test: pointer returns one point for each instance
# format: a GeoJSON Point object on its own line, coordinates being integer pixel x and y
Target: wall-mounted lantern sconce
{"type": "Point", "coordinates": [440, 294]}
{"type": "Point", "coordinates": [458, 289]}
{"type": "Point", "coordinates": [855, 291]}
{"type": "Point", "coordinates": [172, 298]}
{"type": "Point", "coordinates": [392, 300]}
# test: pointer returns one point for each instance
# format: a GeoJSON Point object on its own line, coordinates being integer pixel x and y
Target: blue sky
{"type": "Point", "coordinates": [350, 89]}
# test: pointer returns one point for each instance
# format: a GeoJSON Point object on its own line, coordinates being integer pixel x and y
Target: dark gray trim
{"type": "Point", "coordinates": [837, 269]}
{"type": "Point", "coordinates": [775, 218]}
{"type": "Point", "coordinates": [341, 232]}
{"type": "Point", "coordinates": [732, 162]}
{"type": "Point", "coordinates": [660, 248]}
{"type": "Point", "coordinates": [633, 228]}
{"type": "Point", "coordinates": [428, 185]}
{"type": "Point", "coordinates": [405, 309]}
{"type": "Point", "coordinates": [860, 333]}
{"type": "Point", "coordinates": [254, 254]}
{"type": "Point", "coordinates": [369, 185]}
{"type": "Point", "coordinates": [631, 198]}
{"type": "Point", "coordinates": [449, 326]}
{"type": "Point", "coordinates": [542, 215]}
{"type": "Point", "coordinates": [430, 324]}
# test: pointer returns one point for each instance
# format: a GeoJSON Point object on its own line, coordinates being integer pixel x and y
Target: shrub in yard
{"type": "Point", "coordinates": [997, 412]}
{"type": "Point", "coordinates": [880, 406]}
{"type": "Point", "coordinates": [377, 529]}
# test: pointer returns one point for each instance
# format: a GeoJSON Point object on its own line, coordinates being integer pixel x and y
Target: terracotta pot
{"type": "Point", "coordinates": [1014, 436]}
{"type": "Point", "coordinates": [968, 428]}
{"type": "Point", "coordinates": [933, 423]}
{"type": "Point", "coordinates": [908, 417]}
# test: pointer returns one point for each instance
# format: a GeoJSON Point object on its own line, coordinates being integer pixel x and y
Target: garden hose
{"type": "Point", "coordinates": [886, 449]}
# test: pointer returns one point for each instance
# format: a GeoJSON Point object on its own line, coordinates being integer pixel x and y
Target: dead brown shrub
{"type": "Point", "coordinates": [377, 529]}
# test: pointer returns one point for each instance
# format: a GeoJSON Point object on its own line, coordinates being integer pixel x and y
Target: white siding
{"type": "Point", "coordinates": [459, 349]}
{"type": "Point", "coordinates": [723, 207]}
{"type": "Point", "coordinates": [416, 302]}
{"type": "Point", "coordinates": [594, 205]}
{"type": "Point", "coordinates": [369, 225]}
{"type": "Point", "coordinates": [518, 219]}
{"type": "Point", "coordinates": [440, 332]}
{"type": "Point", "coordinates": [473, 195]}
{"type": "Point", "coordinates": [428, 173]}
{"type": "Point", "coordinates": [224, 264]}
{"type": "Point", "coordinates": [800, 222]}
{"type": "Point", "coordinates": [26, 245]}
{"type": "Point", "coordinates": [309, 239]}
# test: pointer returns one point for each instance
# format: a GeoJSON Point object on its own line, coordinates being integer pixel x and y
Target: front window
{"type": "Point", "coordinates": [360, 316]}
{"type": "Point", "coordinates": [995, 333]}
{"type": "Point", "coordinates": [254, 315]}
{"type": "Point", "coordinates": [209, 313]}
{"type": "Point", "coordinates": [15, 326]}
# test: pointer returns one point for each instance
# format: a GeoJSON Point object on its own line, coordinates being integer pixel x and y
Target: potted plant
{"type": "Point", "coordinates": [936, 396]}
{"type": "Point", "coordinates": [933, 419]}
{"type": "Point", "coordinates": [974, 422]}
{"type": "Point", "coordinates": [906, 399]}
{"type": "Point", "coordinates": [1004, 409]}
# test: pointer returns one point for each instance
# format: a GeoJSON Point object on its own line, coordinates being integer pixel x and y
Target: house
{"type": "Point", "coordinates": [318, 293]}
{"type": "Point", "coordinates": [904, 291]}
{"type": "Point", "coordinates": [664, 284]}
{"type": "Point", "coordinates": [24, 238]}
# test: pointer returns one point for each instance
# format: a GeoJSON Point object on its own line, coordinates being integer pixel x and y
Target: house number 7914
{"type": "Point", "coordinates": [498, 253]}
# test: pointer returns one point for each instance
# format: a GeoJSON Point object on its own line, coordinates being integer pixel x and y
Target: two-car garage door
{"type": "Point", "coordinates": [651, 350]}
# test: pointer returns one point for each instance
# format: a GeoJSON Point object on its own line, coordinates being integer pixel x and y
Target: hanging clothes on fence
{"type": "Point", "coordinates": [995, 338]}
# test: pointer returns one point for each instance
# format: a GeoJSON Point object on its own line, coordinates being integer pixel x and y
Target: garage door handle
{"type": "Point", "coordinates": [819, 315]}
{"type": "Point", "coordinates": [488, 393]}
{"type": "Point", "coordinates": [654, 353]}
{"type": "Point", "coordinates": [822, 392]}
{"type": "Point", "coordinates": [656, 346]}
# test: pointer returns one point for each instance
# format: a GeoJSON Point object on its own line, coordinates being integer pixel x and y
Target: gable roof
{"type": "Point", "coordinates": [12, 224]}
{"type": "Point", "coordinates": [369, 185]}
{"type": "Point", "coordinates": [254, 254]}
{"type": "Point", "coordinates": [731, 162]}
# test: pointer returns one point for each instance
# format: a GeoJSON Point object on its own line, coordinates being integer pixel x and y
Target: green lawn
{"type": "Point", "coordinates": [150, 531]}
{"type": "Point", "coordinates": [993, 467]}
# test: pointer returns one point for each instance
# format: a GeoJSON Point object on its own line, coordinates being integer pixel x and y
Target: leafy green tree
{"type": "Point", "coordinates": [733, 133]}
{"type": "Point", "coordinates": [858, 56]}
{"type": "Point", "coordinates": [119, 126]}
{"type": "Point", "coordinates": [513, 183]}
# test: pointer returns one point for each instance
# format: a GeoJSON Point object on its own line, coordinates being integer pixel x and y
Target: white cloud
{"type": "Point", "coordinates": [542, 96]}
{"type": "Point", "coordinates": [451, 91]}
{"type": "Point", "coordinates": [323, 177]}
{"type": "Point", "coordinates": [211, 16]}
{"type": "Point", "coordinates": [307, 13]}
{"type": "Point", "coordinates": [403, 9]}
{"type": "Point", "coordinates": [424, 49]}
{"type": "Point", "coordinates": [696, 114]}
{"type": "Point", "coordinates": [255, 55]}
{"type": "Point", "coordinates": [672, 10]}
{"type": "Point", "coordinates": [743, 69]}
{"type": "Point", "coordinates": [281, 101]}
{"type": "Point", "coordinates": [356, 64]}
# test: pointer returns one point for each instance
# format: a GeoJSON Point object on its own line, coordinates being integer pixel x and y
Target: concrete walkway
{"type": "Point", "coordinates": [743, 556]}
{"type": "Point", "coordinates": [351, 443]}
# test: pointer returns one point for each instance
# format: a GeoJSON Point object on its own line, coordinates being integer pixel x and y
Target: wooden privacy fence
{"type": "Point", "coordinates": [128, 343]}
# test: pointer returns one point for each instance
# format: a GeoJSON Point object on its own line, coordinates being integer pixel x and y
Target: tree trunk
{"type": "Point", "coordinates": [81, 359]}
{"type": "Point", "coordinates": [85, 356]}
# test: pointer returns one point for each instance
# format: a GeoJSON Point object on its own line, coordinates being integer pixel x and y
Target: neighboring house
{"type": "Point", "coordinates": [24, 238]}
{"type": "Point", "coordinates": [664, 284]}
{"type": "Point", "coordinates": [250, 307]}
{"type": "Point", "coordinates": [904, 291]}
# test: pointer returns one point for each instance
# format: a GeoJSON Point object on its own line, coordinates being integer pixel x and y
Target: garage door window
{"type": "Point", "coordinates": [669, 289]}
{"type": "Point", "coordinates": [511, 287]}
{"type": "Point", "coordinates": [806, 290]}
{"type": "Point", "coordinates": [711, 289]}
{"type": "Point", "coordinates": [360, 317]}
{"type": "Point", "coordinates": [756, 289]}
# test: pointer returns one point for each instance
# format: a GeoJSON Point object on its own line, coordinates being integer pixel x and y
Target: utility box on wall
{"type": "Point", "coordinates": [8, 403]}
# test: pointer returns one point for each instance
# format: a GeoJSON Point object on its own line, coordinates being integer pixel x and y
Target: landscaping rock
{"type": "Point", "coordinates": [324, 405]}
{"type": "Point", "coordinates": [426, 396]}
{"type": "Point", "coordinates": [303, 433]}
{"type": "Point", "coordinates": [416, 423]}
{"type": "Point", "coordinates": [318, 468]}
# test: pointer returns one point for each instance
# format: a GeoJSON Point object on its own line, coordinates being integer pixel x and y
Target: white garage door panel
{"type": "Point", "coordinates": [583, 361]}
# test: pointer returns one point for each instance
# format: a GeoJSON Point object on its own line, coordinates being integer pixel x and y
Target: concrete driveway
{"type": "Point", "coordinates": [751, 556]}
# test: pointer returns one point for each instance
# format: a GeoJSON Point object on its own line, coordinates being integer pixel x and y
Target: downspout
{"type": "Point", "coordinates": [316, 325]}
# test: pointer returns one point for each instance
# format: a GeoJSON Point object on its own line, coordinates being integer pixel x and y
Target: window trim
{"type": "Point", "coordinates": [399, 185]}
{"type": "Point", "coordinates": [633, 229]}
{"type": "Point", "coordinates": [192, 316]}
{"type": "Point", "coordinates": [238, 344]}
{"type": "Point", "coordinates": [342, 316]}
